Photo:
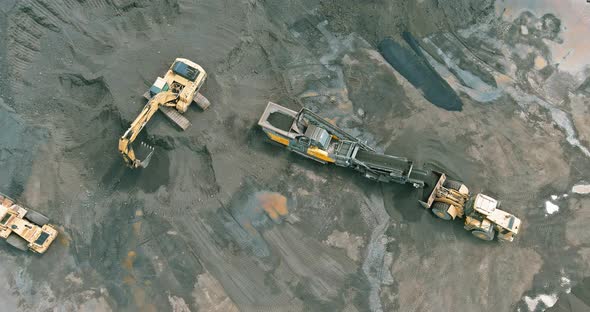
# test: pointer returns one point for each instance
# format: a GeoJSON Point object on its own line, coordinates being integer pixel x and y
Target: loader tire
{"type": "Point", "coordinates": [452, 184]}
{"type": "Point", "coordinates": [484, 235]}
{"type": "Point", "coordinates": [36, 217]}
{"type": "Point", "coordinates": [440, 209]}
{"type": "Point", "coordinates": [17, 242]}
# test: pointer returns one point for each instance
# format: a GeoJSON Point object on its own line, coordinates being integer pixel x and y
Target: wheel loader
{"type": "Point", "coordinates": [172, 95]}
{"type": "Point", "coordinates": [311, 136]}
{"type": "Point", "coordinates": [24, 228]}
{"type": "Point", "coordinates": [451, 199]}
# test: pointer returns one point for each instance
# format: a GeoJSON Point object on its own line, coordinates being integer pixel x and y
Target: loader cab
{"type": "Point", "coordinates": [484, 204]}
{"type": "Point", "coordinates": [505, 224]}
{"type": "Point", "coordinates": [42, 238]}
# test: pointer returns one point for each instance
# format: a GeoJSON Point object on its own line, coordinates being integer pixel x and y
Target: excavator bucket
{"type": "Point", "coordinates": [144, 153]}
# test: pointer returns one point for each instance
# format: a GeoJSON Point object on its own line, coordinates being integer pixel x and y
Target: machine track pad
{"type": "Point", "coordinates": [175, 117]}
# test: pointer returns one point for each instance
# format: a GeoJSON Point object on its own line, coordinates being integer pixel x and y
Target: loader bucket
{"type": "Point", "coordinates": [143, 155]}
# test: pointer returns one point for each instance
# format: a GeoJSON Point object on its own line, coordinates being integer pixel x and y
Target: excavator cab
{"type": "Point", "coordinates": [185, 70]}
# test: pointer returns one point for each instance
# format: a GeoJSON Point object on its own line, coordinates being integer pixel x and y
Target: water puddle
{"type": "Point", "coordinates": [572, 52]}
{"type": "Point", "coordinates": [489, 60]}
{"type": "Point", "coordinates": [581, 189]}
{"type": "Point", "coordinates": [460, 79]}
{"type": "Point", "coordinates": [567, 284]}
{"type": "Point", "coordinates": [547, 300]}
{"type": "Point", "coordinates": [411, 64]}
{"type": "Point", "coordinates": [551, 208]}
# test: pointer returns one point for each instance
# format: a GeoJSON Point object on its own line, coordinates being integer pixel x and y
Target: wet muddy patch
{"type": "Point", "coordinates": [576, 299]}
{"type": "Point", "coordinates": [411, 64]}
{"type": "Point", "coordinates": [581, 189]}
{"type": "Point", "coordinates": [134, 252]}
{"type": "Point", "coordinates": [250, 213]}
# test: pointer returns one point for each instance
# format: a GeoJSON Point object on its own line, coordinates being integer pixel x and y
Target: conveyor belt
{"type": "Point", "coordinates": [383, 162]}
{"type": "Point", "coordinates": [395, 169]}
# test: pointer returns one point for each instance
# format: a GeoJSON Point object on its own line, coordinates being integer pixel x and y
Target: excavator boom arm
{"type": "Point", "coordinates": [125, 142]}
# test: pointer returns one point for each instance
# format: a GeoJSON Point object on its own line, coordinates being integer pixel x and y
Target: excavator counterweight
{"type": "Point", "coordinates": [311, 136]}
{"type": "Point", "coordinates": [172, 95]}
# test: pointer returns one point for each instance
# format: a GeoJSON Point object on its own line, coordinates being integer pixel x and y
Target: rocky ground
{"type": "Point", "coordinates": [223, 221]}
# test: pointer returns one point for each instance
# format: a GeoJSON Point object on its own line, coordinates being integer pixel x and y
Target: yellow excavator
{"type": "Point", "coordinates": [172, 95]}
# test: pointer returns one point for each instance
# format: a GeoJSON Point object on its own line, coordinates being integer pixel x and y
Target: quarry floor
{"type": "Point", "coordinates": [223, 221]}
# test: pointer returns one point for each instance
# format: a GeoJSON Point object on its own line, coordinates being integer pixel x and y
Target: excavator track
{"type": "Point", "coordinates": [202, 101]}
{"type": "Point", "coordinates": [175, 117]}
